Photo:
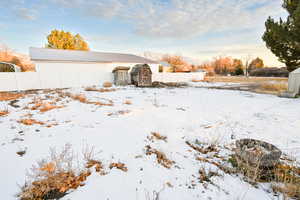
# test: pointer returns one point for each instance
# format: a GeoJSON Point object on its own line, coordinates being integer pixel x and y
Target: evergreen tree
{"type": "Point", "coordinates": [283, 37]}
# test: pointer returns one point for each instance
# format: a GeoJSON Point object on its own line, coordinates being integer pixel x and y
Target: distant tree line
{"type": "Point", "coordinates": [227, 65]}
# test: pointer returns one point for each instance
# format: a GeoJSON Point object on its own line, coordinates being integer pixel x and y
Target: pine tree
{"type": "Point", "coordinates": [283, 37]}
{"type": "Point", "coordinates": [65, 40]}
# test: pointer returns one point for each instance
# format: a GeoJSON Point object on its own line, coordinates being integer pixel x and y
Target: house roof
{"type": "Point", "coordinates": [43, 54]}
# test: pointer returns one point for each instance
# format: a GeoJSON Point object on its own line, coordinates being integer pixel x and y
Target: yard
{"type": "Point", "coordinates": [143, 143]}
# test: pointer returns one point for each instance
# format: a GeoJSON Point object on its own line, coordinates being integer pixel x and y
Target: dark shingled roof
{"type": "Point", "coordinates": [43, 54]}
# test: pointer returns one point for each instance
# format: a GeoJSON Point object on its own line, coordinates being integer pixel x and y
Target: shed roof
{"type": "Point", "coordinates": [136, 69]}
{"type": "Point", "coordinates": [44, 54]}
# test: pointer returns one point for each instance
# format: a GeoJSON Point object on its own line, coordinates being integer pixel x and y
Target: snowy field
{"type": "Point", "coordinates": [120, 133]}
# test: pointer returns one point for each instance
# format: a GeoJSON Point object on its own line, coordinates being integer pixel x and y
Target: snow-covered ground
{"type": "Point", "coordinates": [181, 114]}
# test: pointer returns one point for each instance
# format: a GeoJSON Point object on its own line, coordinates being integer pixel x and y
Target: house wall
{"type": "Point", "coordinates": [48, 66]}
{"type": "Point", "coordinates": [294, 83]}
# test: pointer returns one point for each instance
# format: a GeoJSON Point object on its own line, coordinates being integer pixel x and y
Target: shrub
{"type": "Point", "coordinates": [54, 177]}
{"type": "Point", "coordinates": [274, 86]}
{"type": "Point", "coordinates": [107, 84]}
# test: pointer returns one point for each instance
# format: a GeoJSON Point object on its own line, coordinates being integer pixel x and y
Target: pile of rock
{"type": "Point", "coordinates": [257, 158]}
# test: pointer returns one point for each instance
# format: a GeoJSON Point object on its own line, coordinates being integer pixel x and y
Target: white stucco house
{"type": "Point", "coordinates": [294, 81]}
{"type": "Point", "coordinates": [57, 60]}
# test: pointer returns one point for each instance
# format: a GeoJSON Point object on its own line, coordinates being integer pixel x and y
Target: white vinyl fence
{"type": "Point", "coordinates": [178, 77]}
{"type": "Point", "coordinates": [14, 81]}
{"type": "Point", "coordinates": [42, 80]}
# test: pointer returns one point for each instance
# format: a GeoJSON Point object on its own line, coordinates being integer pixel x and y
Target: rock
{"type": "Point", "coordinates": [21, 153]}
{"type": "Point", "coordinates": [257, 153]}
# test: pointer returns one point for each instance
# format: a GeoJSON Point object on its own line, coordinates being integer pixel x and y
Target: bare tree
{"type": "Point", "coordinates": [247, 59]}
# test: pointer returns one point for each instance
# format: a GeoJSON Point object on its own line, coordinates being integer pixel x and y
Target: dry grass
{"type": "Point", "coordinates": [196, 80]}
{"type": "Point", "coordinates": [160, 156]}
{"type": "Point", "coordinates": [4, 113]}
{"type": "Point", "coordinates": [107, 84]}
{"type": "Point", "coordinates": [158, 136]}
{"type": "Point", "coordinates": [289, 176]}
{"type": "Point", "coordinates": [47, 107]}
{"type": "Point", "coordinates": [274, 87]}
{"type": "Point", "coordinates": [205, 176]}
{"type": "Point", "coordinates": [44, 106]}
{"type": "Point", "coordinates": [203, 150]}
{"type": "Point", "coordinates": [82, 98]}
{"type": "Point", "coordinates": [119, 165]}
{"type": "Point", "coordinates": [30, 122]}
{"type": "Point", "coordinates": [53, 178]}
{"type": "Point", "coordinates": [10, 96]}
{"type": "Point", "coordinates": [120, 112]}
{"type": "Point", "coordinates": [127, 102]}
{"type": "Point", "coordinates": [98, 166]}
{"type": "Point", "coordinates": [284, 176]}
{"type": "Point", "coordinates": [93, 89]}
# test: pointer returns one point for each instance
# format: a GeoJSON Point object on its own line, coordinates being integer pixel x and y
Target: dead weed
{"type": "Point", "coordinates": [158, 136]}
{"type": "Point", "coordinates": [4, 113]}
{"type": "Point", "coordinates": [93, 89]}
{"type": "Point", "coordinates": [107, 84]}
{"type": "Point", "coordinates": [119, 165]}
{"type": "Point", "coordinates": [52, 179]}
{"type": "Point", "coordinates": [160, 156]}
{"type": "Point", "coordinates": [10, 96]}
{"type": "Point", "coordinates": [120, 112]}
{"type": "Point", "coordinates": [30, 122]}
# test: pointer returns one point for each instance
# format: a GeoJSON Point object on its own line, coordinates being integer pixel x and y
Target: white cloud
{"type": "Point", "coordinates": [26, 13]}
{"type": "Point", "coordinates": [182, 18]}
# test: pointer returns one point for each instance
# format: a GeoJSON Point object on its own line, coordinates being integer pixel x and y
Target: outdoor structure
{"type": "Point", "coordinates": [9, 67]}
{"type": "Point", "coordinates": [294, 81]}
{"type": "Point", "coordinates": [121, 76]}
{"type": "Point", "coordinates": [68, 68]}
{"type": "Point", "coordinates": [141, 75]}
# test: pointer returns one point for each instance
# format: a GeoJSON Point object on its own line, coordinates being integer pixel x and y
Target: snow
{"type": "Point", "coordinates": [181, 114]}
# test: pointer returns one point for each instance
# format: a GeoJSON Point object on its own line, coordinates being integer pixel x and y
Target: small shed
{"type": "Point", "coordinates": [9, 67]}
{"type": "Point", "coordinates": [294, 81]}
{"type": "Point", "coordinates": [141, 75]}
{"type": "Point", "coordinates": [121, 76]}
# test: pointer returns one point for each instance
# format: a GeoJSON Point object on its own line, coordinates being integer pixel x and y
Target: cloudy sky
{"type": "Point", "coordinates": [200, 29]}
